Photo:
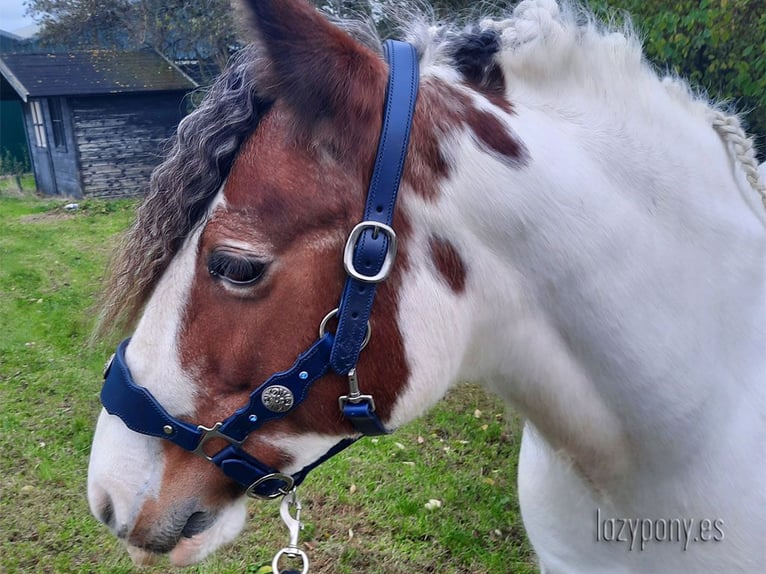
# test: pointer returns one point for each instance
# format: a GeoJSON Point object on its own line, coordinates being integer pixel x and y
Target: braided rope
{"type": "Point", "coordinates": [730, 129]}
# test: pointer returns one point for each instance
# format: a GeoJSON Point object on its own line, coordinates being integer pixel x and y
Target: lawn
{"type": "Point", "coordinates": [365, 511]}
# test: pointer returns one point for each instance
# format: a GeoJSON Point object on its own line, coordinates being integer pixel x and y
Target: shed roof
{"type": "Point", "coordinates": [91, 72]}
{"type": "Point", "coordinates": [11, 35]}
{"type": "Point", "coordinates": [9, 42]}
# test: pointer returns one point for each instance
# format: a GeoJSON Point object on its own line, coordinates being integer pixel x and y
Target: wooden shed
{"type": "Point", "coordinates": [96, 120]}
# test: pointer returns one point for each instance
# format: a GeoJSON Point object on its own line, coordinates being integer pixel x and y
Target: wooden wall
{"type": "Point", "coordinates": [120, 139]}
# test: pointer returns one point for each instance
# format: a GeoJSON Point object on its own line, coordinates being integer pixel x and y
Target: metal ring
{"type": "Point", "coordinates": [292, 553]}
{"type": "Point", "coordinates": [333, 313]}
{"type": "Point", "coordinates": [287, 479]}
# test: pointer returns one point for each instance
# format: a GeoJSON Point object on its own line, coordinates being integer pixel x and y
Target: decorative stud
{"type": "Point", "coordinates": [277, 399]}
{"type": "Point", "coordinates": [303, 375]}
{"type": "Point", "coordinates": [252, 418]}
{"type": "Point", "coordinates": [167, 429]}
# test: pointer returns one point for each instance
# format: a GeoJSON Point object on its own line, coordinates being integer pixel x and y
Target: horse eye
{"type": "Point", "coordinates": [235, 269]}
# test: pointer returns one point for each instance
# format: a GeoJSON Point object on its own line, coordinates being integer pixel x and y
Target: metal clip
{"type": "Point", "coordinates": [354, 396]}
{"type": "Point", "coordinates": [294, 526]}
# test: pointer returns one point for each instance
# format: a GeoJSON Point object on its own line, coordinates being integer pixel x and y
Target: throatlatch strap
{"type": "Point", "coordinates": [364, 418]}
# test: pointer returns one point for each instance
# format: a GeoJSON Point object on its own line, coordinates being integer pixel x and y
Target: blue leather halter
{"type": "Point", "coordinates": [368, 259]}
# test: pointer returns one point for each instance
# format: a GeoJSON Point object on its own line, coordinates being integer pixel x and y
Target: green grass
{"type": "Point", "coordinates": [10, 184]}
{"type": "Point", "coordinates": [364, 510]}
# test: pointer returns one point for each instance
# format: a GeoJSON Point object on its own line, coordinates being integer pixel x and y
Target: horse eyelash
{"type": "Point", "coordinates": [237, 270]}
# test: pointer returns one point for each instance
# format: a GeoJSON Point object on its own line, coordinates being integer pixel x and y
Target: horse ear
{"type": "Point", "coordinates": [317, 68]}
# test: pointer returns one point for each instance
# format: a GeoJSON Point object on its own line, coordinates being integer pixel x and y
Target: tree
{"type": "Point", "coordinates": [719, 45]}
{"type": "Point", "coordinates": [180, 29]}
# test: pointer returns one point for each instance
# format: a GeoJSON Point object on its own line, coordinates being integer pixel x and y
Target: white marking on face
{"type": "Point", "coordinates": [126, 467]}
{"type": "Point", "coordinates": [153, 355]}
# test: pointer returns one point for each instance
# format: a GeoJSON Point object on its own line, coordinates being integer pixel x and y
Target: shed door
{"type": "Point", "coordinates": [62, 148]}
{"type": "Point", "coordinates": [41, 154]}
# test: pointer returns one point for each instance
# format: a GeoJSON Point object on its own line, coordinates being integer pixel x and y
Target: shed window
{"type": "Point", "coordinates": [57, 123]}
{"type": "Point", "coordinates": [38, 124]}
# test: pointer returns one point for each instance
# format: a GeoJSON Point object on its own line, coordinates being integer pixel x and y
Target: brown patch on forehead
{"type": "Point", "coordinates": [442, 111]}
{"type": "Point", "coordinates": [448, 263]}
{"type": "Point", "coordinates": [285, 188]}
{"type": "Point", "coordinates": [296, 204]}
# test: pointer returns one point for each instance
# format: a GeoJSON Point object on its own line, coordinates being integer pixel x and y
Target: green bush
{"type": "Point", "coordinates": [11, 165]}
{"type": "Point", "coordinates": [719, 45]}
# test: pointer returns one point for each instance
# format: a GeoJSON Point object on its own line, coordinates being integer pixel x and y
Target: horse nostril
{"type": "Point", "coordinates": [198, 522]}
{"type": "Point", "coordinates": [106, 513]}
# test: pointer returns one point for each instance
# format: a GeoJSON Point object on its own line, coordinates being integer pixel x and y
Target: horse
{"type": "Point", "coordinates": [580, 235]}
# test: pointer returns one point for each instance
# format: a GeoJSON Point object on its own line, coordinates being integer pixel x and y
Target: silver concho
{"type": "Point", "coordinates": [277, 399]}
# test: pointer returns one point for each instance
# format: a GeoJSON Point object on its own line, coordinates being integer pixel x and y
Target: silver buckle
{"type": "Point", "coordinates": [286, 478]}
{"type": "Point", "coordinates": [388, 262]}
{"type": "Point", "coordinates": [209, 434]}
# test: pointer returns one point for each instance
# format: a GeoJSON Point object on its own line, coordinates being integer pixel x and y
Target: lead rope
{"type": "Point", "coordinates": [290, 502]}
{"type": "Point", "coordinates": [730, 129]}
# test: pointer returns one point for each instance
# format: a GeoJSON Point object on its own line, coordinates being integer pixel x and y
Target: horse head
{"type": "Point", "coordinates": [557, 237]}
{"type": "Point", "coordinates": [231, 274]}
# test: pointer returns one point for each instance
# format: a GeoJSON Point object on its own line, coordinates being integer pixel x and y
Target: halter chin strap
{"type": "Point", "coordinates": [368, 259]}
